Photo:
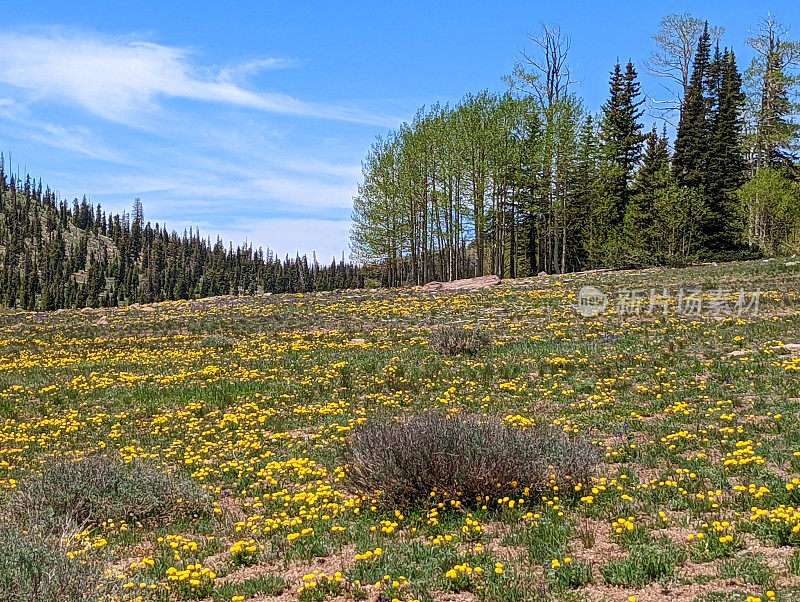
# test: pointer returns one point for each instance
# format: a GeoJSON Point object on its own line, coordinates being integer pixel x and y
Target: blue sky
{"type": "Point", "coordinates": [250, 119]}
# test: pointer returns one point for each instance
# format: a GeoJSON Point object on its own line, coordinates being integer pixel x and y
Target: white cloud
{"type": "Point", "coordinates": [306, 192]}
{"type": "Point", "coordinates": [78, 139]}
{"type": "Point", "coordinates": [230, 187]}
{"type": "Point", "coordinates": [119, 80]}
{"type": "Point", "coordinates": [240, 72]}
{"type": "Point", "coordinates": [282, 184]}
{"type": "Point", "coordinates": [288, 236]}
{"type": "Point", "coordinates": [75, 139]}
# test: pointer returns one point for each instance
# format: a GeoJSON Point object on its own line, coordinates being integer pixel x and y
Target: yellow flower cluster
{"type": "Point", "coordinates": [464, 569]}
{"type": "Point", "coordinates": [195, 578]}
{"type": "Point", "coordinates": [783, 516]}
{"type": "Point", "coordinates": [369, 554]}
{"type": "Point", "coordinates": [319, 579]}
{"type": "Point", "coordinates": [622, 525]}
{"type": "Point", "coordinates": [244, 552]}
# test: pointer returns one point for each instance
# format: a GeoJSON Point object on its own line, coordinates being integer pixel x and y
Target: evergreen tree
{"type": "Point", "coordinates": [773, 81]}
{"type": "Point", "coordinates": [726, 161]}
{"type": "Point", "coordinates": [690, 160]}
{"type": "Point", "coordinates": [54, 255]}
{"type": "Point", "coordinates": [638, 233]}
{"type": "Point", "coordinates": [621, 143]}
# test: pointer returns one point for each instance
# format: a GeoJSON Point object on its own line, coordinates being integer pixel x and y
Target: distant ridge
{"type": "Point", "coordinates": [55, 254]}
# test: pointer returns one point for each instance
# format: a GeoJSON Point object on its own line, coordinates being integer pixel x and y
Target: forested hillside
{"type": "Point", "coordinates": [530, 180]}
{"type": "Point", "coordinates": [54, 254]}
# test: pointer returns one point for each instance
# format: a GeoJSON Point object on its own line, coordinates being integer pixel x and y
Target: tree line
{"type": "Point", "coordinates": [55, 255]}
{"type": "Point", "coordinates": [529, 181]}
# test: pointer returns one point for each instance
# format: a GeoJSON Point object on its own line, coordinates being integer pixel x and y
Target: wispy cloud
{"type": "Point", "coordinates": [130, 118]}
{"type": "Point", "coordinates": [72, 138]}
{"type": "Point", "coordinates": [120, 79]}
{"type": "Point", "coordinates": [76, 139]}
{"type": "Point", "coordinates": [239, 73]}
{"type": "Point", "coordinates": [321, 236]}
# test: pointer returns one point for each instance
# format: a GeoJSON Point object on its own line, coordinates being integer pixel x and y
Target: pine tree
{"type": "Point", "coordinates": [690, 160]}
{"type": "Point", "coordinates": [708, 148]}
{"type": "Point", "coordinates": [678, 213]}
{"type": "Point", "coordinates": [726, 161]}
{"type": "Point", "coordinates": [621, 143]}
{"type": "Point", "coordinates": [650, 181]}
{"type": "Point", "coordinates": [773, 82]}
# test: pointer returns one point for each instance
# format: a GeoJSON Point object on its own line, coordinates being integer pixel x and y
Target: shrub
{"type": "Point", "coordinates": [464, 456]}
{"type": "Point", "coordinates": [455, 340]}
{"type": "Point", "coordinates": [97, 488]}
{"type": "Point", "coordinates": [34, 567]}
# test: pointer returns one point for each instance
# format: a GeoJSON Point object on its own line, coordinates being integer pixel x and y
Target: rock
{"type": "Point", "coordinates": [542, 273]}
{"type": "Point", "coordinates": [357, 341]}
{"type": "Point", "coordinates": [103, 321]}
{"type": "Point", "coordinates": [793, 348]}
{"type": "Point", "coordinates": [463, 285]}
{"type": "Point", "coordinates": [789, 264]}
{"type": "Point", "coordinates": [147, 308]}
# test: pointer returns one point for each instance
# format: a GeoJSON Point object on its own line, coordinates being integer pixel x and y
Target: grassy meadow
{"type": "Point", "coordinates": [203, 450]}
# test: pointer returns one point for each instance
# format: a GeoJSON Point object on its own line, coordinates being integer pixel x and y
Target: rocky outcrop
{"type": "Point", "coordinates": [464, 285]}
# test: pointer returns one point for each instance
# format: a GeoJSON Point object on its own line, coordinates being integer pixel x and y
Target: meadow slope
{"type": "Point", "coordinates": [692, 405]}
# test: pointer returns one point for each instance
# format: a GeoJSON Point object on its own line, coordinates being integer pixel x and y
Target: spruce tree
{"type": "Point", "coordinates": [726, 161]}
{"type": "Point", "coordinates": [691, 142]}
{"type": "Point", "coordinates": [651, 179]}
{"type": "Point", "coordinates": [621, 144]}
{"type": "Point", "coordinates": [773, 82]}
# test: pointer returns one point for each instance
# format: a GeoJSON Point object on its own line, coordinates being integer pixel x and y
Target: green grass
{"type": "Point", "coordinates": [246, 403]}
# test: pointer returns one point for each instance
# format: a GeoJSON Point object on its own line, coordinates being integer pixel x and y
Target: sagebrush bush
{"type": "Point", "coordinates": [463, 456]}
{"type": "Point", "coordinates": [34, 567]}
{"type": "Point", "coordinates": [455, 340]}
{"type": "Point", "coordinates": [96, 488]}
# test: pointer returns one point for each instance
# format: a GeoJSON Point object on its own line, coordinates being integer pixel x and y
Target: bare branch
{"type": "Point", "coordinates": [543, 72]}
{"type": "Point", "coordinates": [676, 40]}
